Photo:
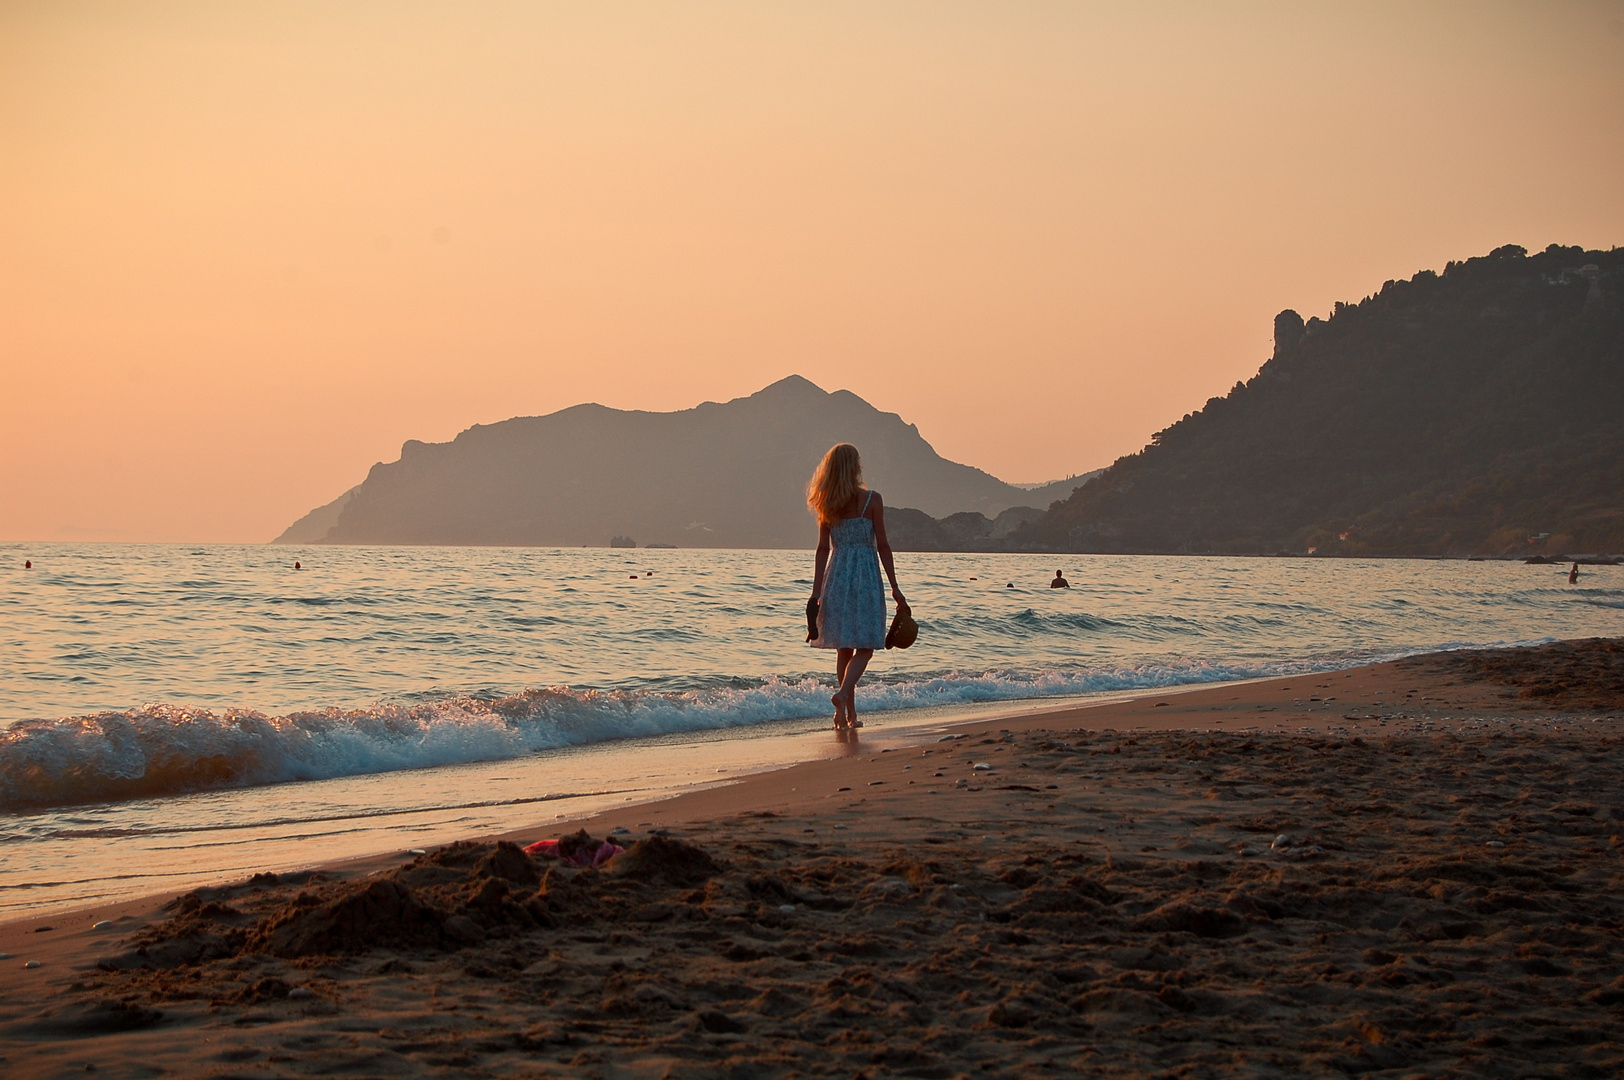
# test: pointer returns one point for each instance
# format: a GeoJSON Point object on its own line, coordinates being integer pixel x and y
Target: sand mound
{"type": "Point", "coordinates": [660, 860]}
{"type": "Point", "coordinates": [455, 897]}
{"type": "Point", "coordinates": [380, 913]}
{"type": "Point", "coordinates": [578, 841]}
{"type": "Point", "coordinates": [1179, 918]}
{"type": "Point", "coordinates": [510, 863]}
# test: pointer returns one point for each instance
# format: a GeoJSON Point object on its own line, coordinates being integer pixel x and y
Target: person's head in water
{"type": "Point", "coordinates": [835, 483]}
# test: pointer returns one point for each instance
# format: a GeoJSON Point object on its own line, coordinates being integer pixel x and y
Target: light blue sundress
{"type": "Point", "coordinates": [851, 608]}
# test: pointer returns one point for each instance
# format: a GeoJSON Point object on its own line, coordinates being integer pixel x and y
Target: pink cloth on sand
{"type": "Point", "coordinates": [581, 857]}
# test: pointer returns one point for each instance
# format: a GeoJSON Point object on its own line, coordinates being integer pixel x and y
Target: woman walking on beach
{"type": "Point", "coordinates": [846, 580]}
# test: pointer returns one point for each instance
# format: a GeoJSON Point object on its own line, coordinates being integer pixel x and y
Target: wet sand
{"type": "Point", "coordinates": [1407, 869]}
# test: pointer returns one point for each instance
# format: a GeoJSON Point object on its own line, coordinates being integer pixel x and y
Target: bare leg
{"type": "Point", "coordinates": [848, 681]}
{"type": "Point", "coordinates": [842, 662]}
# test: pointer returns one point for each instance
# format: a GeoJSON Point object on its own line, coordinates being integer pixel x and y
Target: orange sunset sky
{"type": "Point", "coordinates": [250, 248]}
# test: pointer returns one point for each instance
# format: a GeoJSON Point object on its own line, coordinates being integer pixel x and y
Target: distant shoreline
{"type": "Point", "coordinates": [1586, 559]}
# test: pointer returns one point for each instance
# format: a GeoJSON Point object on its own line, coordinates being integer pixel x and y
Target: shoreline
{"type": "Point", "coordinates": [1121, 890]}
{"type": "Point", "coordinates": [280, 828]}
{"type": "Point", "coordinates": [1189, 706]}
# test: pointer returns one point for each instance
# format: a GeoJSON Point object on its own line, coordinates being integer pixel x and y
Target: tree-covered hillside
{"type": "Point", "coordinates": [1477, 411]}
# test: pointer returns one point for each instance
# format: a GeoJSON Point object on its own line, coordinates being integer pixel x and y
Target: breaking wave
{"type": "Point", "coordinates": [160, 750]}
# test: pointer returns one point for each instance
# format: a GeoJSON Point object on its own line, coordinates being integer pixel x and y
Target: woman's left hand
{"type": "Point", "coordinates": [902, 604]}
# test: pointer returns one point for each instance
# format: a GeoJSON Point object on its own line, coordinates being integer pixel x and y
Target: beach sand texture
{"type": "Point", "coordinates": [1417, 873]}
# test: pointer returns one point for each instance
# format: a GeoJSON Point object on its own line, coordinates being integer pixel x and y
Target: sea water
{"type": "Point", "coordinates": [184, 713]}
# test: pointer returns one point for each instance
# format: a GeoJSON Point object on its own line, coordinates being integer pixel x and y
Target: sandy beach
{"type": "Point", "coordinates": [1412, 868]}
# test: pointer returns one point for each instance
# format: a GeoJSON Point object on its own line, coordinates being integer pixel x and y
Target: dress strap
{"type": "Point", "coordinates": [864, 511]}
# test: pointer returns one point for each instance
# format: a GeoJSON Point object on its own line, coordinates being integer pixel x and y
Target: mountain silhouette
{"type": "Point", "coordinates": [1475, 412]}
{"type": "Point", "coordinates": [729, 474]}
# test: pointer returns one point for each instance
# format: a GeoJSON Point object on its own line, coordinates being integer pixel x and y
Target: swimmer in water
{"type": "Point", "coordinates": [1573, 575]}
{"type": "Point", "coordinates": [296, 565]}
{"type": "Point", "coordinates": [1059, 581]}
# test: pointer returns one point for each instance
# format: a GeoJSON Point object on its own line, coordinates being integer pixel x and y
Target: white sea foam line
{"type": "Point", "coordinates": [775, 748]}
{"type": "Point", "coordinates": [331, 743]}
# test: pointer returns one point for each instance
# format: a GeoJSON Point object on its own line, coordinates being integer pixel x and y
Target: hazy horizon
{"type": "Point", "coordinates": [252, 248]}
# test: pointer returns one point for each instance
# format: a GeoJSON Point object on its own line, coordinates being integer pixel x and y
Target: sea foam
{"type": "Point", "coordinates": [165, 749]}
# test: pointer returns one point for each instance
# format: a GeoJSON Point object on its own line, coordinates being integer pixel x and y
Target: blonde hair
{"type": "Point", "coordinates": [835, 483]}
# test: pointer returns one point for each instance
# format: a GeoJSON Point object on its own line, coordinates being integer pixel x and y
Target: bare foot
{"type": "Point", "coordinates": [851, 710]}
{"type": "Point", "coordinates": [839, 702]}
